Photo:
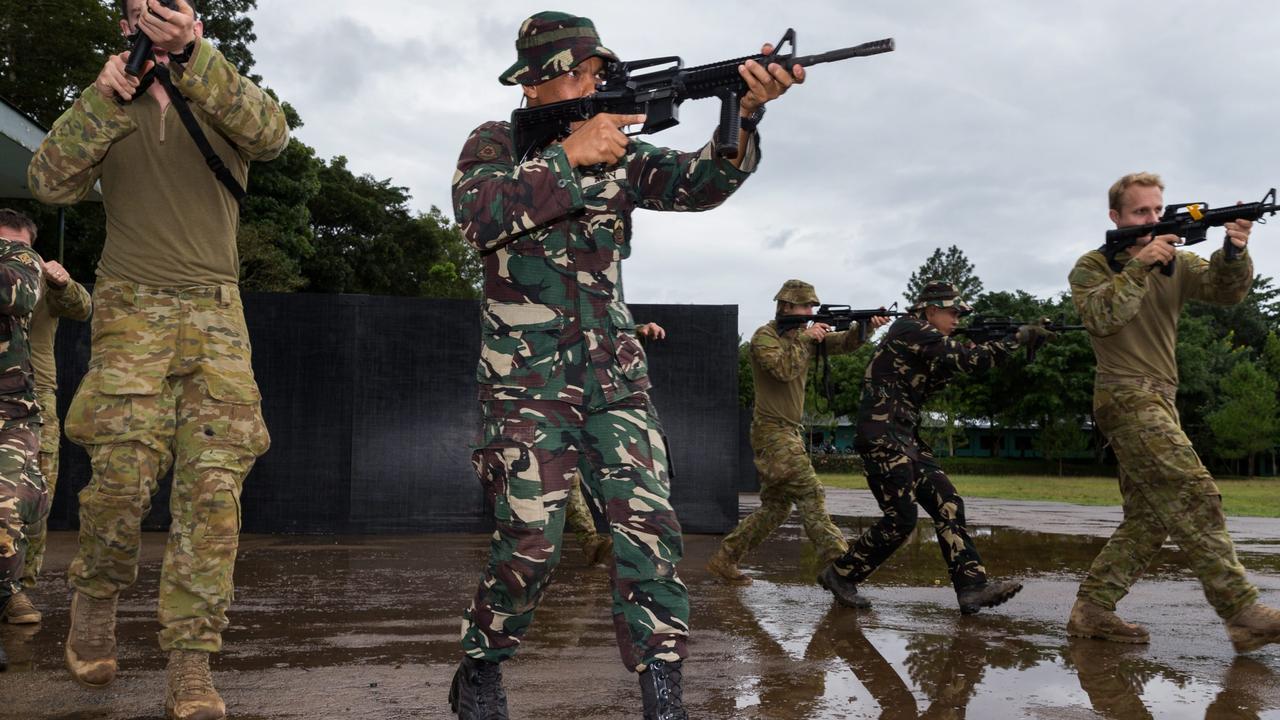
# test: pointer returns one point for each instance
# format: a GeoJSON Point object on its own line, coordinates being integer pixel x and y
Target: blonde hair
{"type": "Point", "coordinates": [1146, 179]}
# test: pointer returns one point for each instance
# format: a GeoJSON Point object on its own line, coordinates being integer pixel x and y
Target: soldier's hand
{"type": "Point", "coordinates": [765, 83]}
{"type": "Point", "coordinates": [1238, 231]}
{"type": "Point", "coordinates": [1033, 334]}
{"type": "Point", "coordinates": [114, 82]}
{"type": "Point", "coordinates": [1157, 252]}
{"type": "Point", "coordinates": [55, 274]}
{"type": "Point", "coordinates": [651, 331]}
{"type": "Point", "coordinates": [818, 331]}
{"type": "Point", "coordinates": [880, 321]}
{"type": "Point", "coordinates": [171, 31]}
{"type": "Point", "coordinates": [599, 140]}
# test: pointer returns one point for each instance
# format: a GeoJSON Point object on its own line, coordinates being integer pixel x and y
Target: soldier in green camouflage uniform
{"type": "Point", "coordinates": [563, 380]}
{"type": "Point", "coordinates": [916, 359]}
{"type": "Point", "coordinates": [779, 369]}
{"type": "Point", "coordinates": [170, 382]}
{"type": "Point", "coordinates": [23, 498]}
{"type": "Point", "coordinates": [1132, 313]}
{"type": "Point", "coordinates": [61, 297]}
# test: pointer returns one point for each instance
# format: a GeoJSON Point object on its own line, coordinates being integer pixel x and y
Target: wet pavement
{"type": "Point", "coordinates": [366, 627]}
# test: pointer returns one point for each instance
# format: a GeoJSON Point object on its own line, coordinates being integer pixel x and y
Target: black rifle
{"type": "Point", "coordinates": [141, 51]}
{"type": "Point", "coordinates": [657, 94]}
{"type": "Point", "coordinates": [1191, 222]}
{"type": "Point", "coordinates": [983, 329]}
{"type": "Point", "coordinates": [839, 317]}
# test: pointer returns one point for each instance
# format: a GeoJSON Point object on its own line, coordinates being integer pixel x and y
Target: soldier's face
{"type": "Point", "coordinates": [579, 82]}
{"type": "Point", "coordinates": [1139, 205]}
{"type": "Point", "coordinates": [18, 235]}
{"type": "Point", "coordinates": [945, 319]}
{"type": "Point", "coordinates": [790, 309]}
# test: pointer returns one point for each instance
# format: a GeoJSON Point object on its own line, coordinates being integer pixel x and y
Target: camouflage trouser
{"type": "Point", "coordinates": [169, 384]}
{"type": "Point", "coordinates": [898, 483]}
{"type": "Point", "coordinates": [531, 455]}
{"type": "Point", "coordinates": [23, 501]}
{"type": "Point", "coordinates": [1167, 493]}
{"type": "Point", "coordinates": [50, 437]}
{"type": "Point", "coordinates": [786, 478]}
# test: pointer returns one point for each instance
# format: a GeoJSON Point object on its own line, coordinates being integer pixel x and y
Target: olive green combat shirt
{"type": "Point", "coordinates": [779, 368]}
{"type": "Point", "coordinates": [1132, 315]}
{"type": "Point", "coordinates": [70, 301]}
{"type": "Point", "coordinates": [170, 222]}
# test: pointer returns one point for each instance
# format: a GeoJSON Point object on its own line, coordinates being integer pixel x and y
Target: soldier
{"type": "Point", "coordinates": [1132, 316]}
{"type": "Point", "coordinates": [170, 382]}
{"type": "Point", "coordinates": [779, 369]}
{"type": "Point", "coordinates": [917, 358]}
{"type": "Point", "coordinates": [60, 297]}
{"type": "Point", "coordinates": [23, 499]}
{"type": "Point", "coordinates": [563, 380]}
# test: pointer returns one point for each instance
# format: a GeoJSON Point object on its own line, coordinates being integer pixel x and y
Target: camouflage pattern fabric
{"type": "Point", "coordinates": [50, 438]}
{"type": "Point", "coordinates": [23, 502]}
{"type": "Point", "coordinates": [531, 455]}
{"type": "Point", "coordinates": [578, 518]}
{"type": "Point", "coordinates": [169, 384]}
{"type": "Point", "coordinates": [898, 483]}
{"type": "Point", "coordinates": [787, 478]}
{"type": "Point", "coordinates": [913, 362]}
{"type": "Point", "coordinates": [20, 292]}
{"type": "Point", "coordinates": [550, 44]}
{"type": "Point", "coordinates": [1167, 493]}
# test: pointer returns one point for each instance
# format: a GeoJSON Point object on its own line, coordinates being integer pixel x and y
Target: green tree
{"type": "Point", "coordinates": [950, 266]}
{"type": "Point", "coordinates": [1060, 437]}
{"type": "Point", "coordinates": [746, 383]}
{"type": "Point", "coordinates": [1246, 423]}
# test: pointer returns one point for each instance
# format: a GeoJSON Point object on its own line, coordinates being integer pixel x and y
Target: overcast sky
{"type": "Point", "coordinates": [996, 125]}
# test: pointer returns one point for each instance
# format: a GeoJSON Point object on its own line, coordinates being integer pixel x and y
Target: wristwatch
{"type": "Point", "coordinates": [749, 123]}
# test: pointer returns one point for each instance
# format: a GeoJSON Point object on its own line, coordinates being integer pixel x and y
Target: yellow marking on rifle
{"type": "Point", "coordinates": [1194, 212]}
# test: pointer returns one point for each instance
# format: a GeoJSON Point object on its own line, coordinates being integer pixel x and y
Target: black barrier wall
{"type": "Point", "coordinates": [371, 404]}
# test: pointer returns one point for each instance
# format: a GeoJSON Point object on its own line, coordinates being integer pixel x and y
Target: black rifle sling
{"type": "Point", "coordinates": [219, 168]}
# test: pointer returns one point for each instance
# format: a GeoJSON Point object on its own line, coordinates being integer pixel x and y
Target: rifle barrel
{"type": "Point", "coordinates": [875, 47]}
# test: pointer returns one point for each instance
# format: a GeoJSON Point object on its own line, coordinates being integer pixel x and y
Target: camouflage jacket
{"type": "Point", "coordinates": [1132, 315]}
{"type": "Point", "coordinates": [554, 322]}
{"type": "Point", "coordinates": [20, 271]}
{"type": "Point", "coordinates": [913, 362]}
{"type": "Point", "coordinates": [779, 368]}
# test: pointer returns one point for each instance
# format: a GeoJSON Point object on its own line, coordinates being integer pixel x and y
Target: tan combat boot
{"type": "Point", "coordinates": [191, 695]}
{"type": "Point", "coordinates": [1253, 627]}
{"type": "Point", "coordinates": [1090, 621]}
{"type": "Point", "coordinates": [599, 549]}
{"type": "Point", "coordinates": [727, 568]}
{"type": "Point", "coordinates": [91, 641]}
{"type": "Point", "coordinates": [21, 611]}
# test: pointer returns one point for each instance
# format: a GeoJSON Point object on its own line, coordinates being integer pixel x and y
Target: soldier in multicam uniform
{"type": "Point", "coordinates": [916, 359]}
{"type": "Point", "coordinates": [563, 379]}
{"type": "Point", "coordinates": [779, 369]}
{"type": "Point", "coordinates": [23, 499]}
{"type": "Point", "coordinates": [170, 382]}
{"type": "Point", "coordinates": [1132, 316]}
{"type": "Point", "coordinates": [60, 297]}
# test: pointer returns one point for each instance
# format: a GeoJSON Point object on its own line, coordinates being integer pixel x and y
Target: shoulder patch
{"type": "Point", "coordinates": [488, 150]}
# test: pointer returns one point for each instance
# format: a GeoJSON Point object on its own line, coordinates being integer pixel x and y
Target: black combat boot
{"type": "Point", "coordinates": [990, 594]}
{"type": "Point", "coordinates": [660, 687]}
{"type": "Point", "coordinates": [844, 589]}
{"type": "Point", "coordinates": [477, 692]}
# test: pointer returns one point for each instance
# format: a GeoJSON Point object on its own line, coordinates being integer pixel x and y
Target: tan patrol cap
{"type": "Point", "coordinates": [798, 292]}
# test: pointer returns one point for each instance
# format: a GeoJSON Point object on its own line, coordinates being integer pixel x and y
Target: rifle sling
{"type": "Point", "coordinates": [219, 168]}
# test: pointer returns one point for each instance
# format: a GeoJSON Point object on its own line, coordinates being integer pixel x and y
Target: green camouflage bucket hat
{"type": "Point", "coordinates": [797, 292]}
{"type": "Point", "coordinates": [943, 295]}
{"type": "Point", "coordinates": [550, 44]}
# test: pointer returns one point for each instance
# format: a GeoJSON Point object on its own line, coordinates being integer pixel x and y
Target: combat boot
{"type": "Point", "coordinates": [726, 568]}
{"type": "Point", "coordinates": [844, 589]}
{"type": "Point", "coordinates": [1253, 627]}
{"type": "Point", "coordinates": [191, 695]}
{"type": "Point", "coordinates": [477, 693]}
{"type": "Point", "coordinates": [91, 640]}
{"type": "Point", "coordinates": [598, 549]}
{"type": "Point", "coordinates": [660, 688]}
{"type": "Point", "coordinates": [988, 594]}
{"type": "Point", "coordinates": [21, 611]}
{"type": "Point", "coordinates": [1090, 621]}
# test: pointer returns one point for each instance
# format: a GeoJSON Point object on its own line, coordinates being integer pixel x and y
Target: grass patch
{"type": "Point", "coordinates": [1255, 497]}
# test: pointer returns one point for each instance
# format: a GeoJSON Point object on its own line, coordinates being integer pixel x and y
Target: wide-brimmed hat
{"type": "Point", "coordinates": [798, 292]}
{"type": "Point", "coordinates": [943, 295]}
{"type": "Point", "coordinates": [550, 44]}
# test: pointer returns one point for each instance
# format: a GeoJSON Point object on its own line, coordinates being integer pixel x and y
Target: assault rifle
{"type": "Point", "coordinates": [1190, 222]}
{"type": "Point", "coordinates": [983, 329]}
{"type": "Point", "coordinates": [839, 317]}
{"type": "Point", "coordinates": [657, 94]}
{"type": "Point", "coordinates": [140, 53]}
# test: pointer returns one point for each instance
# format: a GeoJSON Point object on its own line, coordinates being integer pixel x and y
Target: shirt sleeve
{"type": "Point", "coordinates": [1218, 281]}
{"type": "Point", "coordinates": [243, 112]}
{"type": "Point", "coordinates": [665, 179]}
{"type": "Point", "coordinates": [69, 161]}
{"type": "Point", "coordinates": [785, 358]}
{"type": "Point", "coordinates": [1107, 301]}
{"type": "Point", "coordinates": [71, 301]}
